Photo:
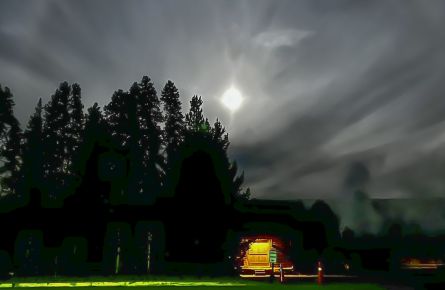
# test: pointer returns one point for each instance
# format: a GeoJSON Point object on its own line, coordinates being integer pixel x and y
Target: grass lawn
{"type": "Point", "coordinates": [166, 283]}
{"type": "Point", "coordinates": [295, 287]}
{"type": "Point", "coordinates": [339, 286]}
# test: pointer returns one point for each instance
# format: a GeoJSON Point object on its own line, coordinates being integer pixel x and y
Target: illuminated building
{"type": "Point", "coordinates": [417, 264]}
{"type": "Point", "coordinates": [255, 255]}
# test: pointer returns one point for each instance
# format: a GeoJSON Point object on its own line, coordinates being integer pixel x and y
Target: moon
{"type": "Point", "coordinates": [232, 99]}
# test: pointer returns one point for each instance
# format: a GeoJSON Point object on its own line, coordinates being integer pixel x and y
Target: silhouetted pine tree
{"type": "Point", "coordinates": [127, 129]}
{"type": "Point", "coordinates": [197, 126]}
{"type": "Point", "coordinates": [117, 117]}
{"type": "Point", "coordinates": [98, 150]}
{"type": "Point", "coordinates": [194, 119]}
{"type": "Point", "coordinates": [173, 131]}
{"type": "Point", "coordinates": [6, 112]}
{"type": "Point", "coordinates": [76, 123]}
{"type": "Point", "coordinates": [94, 164]}
{"type": "Point", "coordinates": [10, 138]}
{"type": "Point", "coordinates": [12, 158]}
{"type": "Point", "coordinates": [138, 149]}
{"type": "Point", "coordinates": [32, 168]}
{"type": "Point", "coordinates": [191, 135]}
{"type": "Point", "coordinates": [94, 122]}
{"type": "Point", "coordinates": [218, 135]}
{"type": "Point", "coordinates": [95, 131]}
{"type": "Point", "coordinates": [55, 151]}
{"type": "Point", "coordinates": [174, 119]}
{"type": "Point", "coordinates": [134, 120]}
{"type": "Point", "coordinates": [119, 114]}
{"type": "Point", "coordinates": [150, 118]}
{"type": "Point", "coordinates": [221, 139]}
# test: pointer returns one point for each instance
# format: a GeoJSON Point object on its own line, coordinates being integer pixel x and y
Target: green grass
{"type": "Point", "coordinates": [172, 282]}
{"type": "Point", "coordinates": [342, 286]}
{"type": "Point", "coordinates": [169, 282]}
{"type": "Point", "coordinates": [123, 278]}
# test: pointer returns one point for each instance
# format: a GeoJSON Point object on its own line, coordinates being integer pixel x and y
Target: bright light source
{"type": "Point", "coordinates": [232, 99]}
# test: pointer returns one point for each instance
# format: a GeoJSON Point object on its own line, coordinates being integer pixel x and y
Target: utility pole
{"type": "Point", "coordinates": [118, 253]}
{"type": "Point", "coordinates": [149, 239]}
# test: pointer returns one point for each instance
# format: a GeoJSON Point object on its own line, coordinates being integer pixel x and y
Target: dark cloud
{"type": "Point", "coordinates": [326, 83]}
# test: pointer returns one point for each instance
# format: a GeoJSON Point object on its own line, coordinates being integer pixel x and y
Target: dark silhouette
{"type": "Point", "coordinates": [10, 137]}
{"type": "Point", "coordinates": [75, 131]}
{"type": "Point", "coordinates": [150, 117]}
{"type": "Point", "coordinates": [174, 129]}
{"type": "Point", "coordinates": [32, 166]}
{"type": "Point", "coordinates": [174, 119]}
{"type": "Point", "coordinates": [134, 123]}
{"type": "Point", "coordinates": [138, 190]}
{"type": "Point", "coordinates": [55, 147]}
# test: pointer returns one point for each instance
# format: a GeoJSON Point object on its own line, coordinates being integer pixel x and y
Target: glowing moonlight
{"type": "Point", "coordinates": [232, 99]}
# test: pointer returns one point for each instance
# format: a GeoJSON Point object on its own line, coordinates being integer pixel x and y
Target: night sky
{"type": "Point", "coordinates": [325, 84]}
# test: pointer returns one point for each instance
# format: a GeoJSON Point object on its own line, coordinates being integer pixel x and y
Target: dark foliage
{"type": "Point", "coordinates": [10, 143]}
{"type": "Point", "coordinates": [55, 148]}
{"type": "Point", "coordinates": [137, 189]}
{"type": "Point", "coordinates": [32, 167]}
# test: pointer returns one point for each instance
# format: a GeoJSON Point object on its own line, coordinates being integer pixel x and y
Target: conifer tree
{"type": "Point", "coordinates": [120, 116]}
{"type": "Point", "coordinates": [137, 152]}
{"type": "Point", "coordinates": [76, 124]}
{"type": "Point", "coordinates": [55, 151]}
{"type": "Point", "coordinates": [95, 169]}
{"type": "Point", "coordinates": [95, 130]}
{"type": "Point", "coordinates": [221, 140]}
{"type": "Point", "coordinates": [117, 116]}
{"type": "Point", "coordinates": [198, 127]}
{"type": "Point", "coordinates": [11, 154]}
{"type": "Point", "coordinates": [32, 168]}
{"type": "Point", "coordinates": [94, 122]}
{"type": "Point", "coordinates": [218, 136]}
{"type": "Point", "coordinates": [10, 147]}
{"type": "Point", "coordinates": [194, 119]}
{"type": "Point", "coordinates": [134, 120]}
{"type": "Point", "coordinates": [6, 111]}
{"type": "Point", "coordinates": [150, 117]}
{"type": "Point", "coordinates": [174, 119]}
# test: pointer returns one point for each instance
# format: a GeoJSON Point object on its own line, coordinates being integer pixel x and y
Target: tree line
{"type": "Point", "coordinates": [138, 140]}
{"type": "Point", "coordinates": [50, 154]}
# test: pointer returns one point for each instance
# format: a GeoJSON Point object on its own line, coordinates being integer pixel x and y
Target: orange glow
{"type": "Point", "coordinates": [414, 263]}
{"type": "Point", "coordinates": [255, 259]}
